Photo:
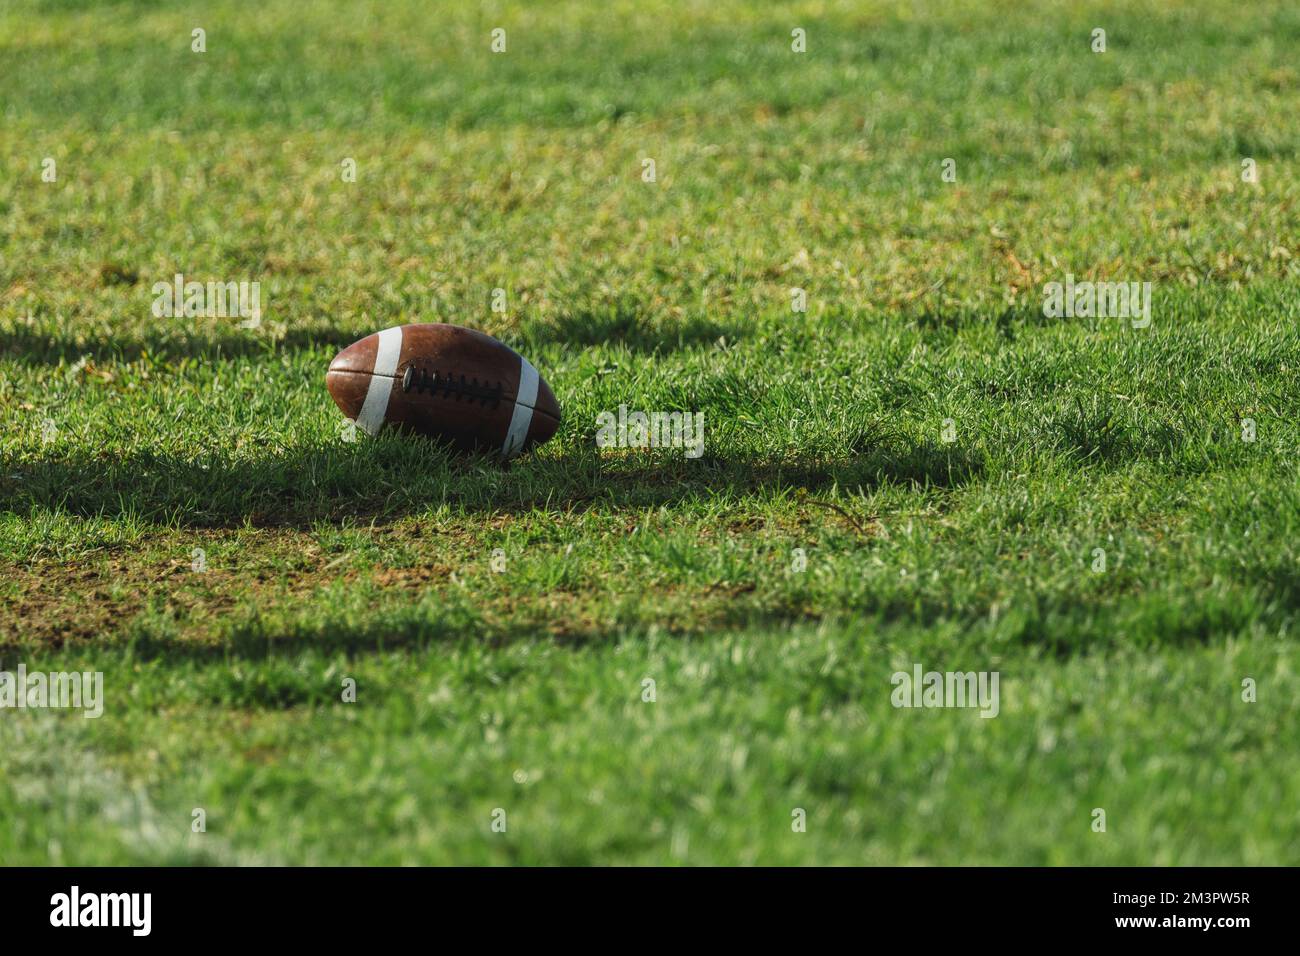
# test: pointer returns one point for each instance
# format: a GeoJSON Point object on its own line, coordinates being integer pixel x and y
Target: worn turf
{"type": "Point", "coordinates": [631, 656]}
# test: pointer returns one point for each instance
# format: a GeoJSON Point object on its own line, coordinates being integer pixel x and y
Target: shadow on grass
{"type": "Point", "coordinates": [391, 477]}
{"type": "Point", "coordinates": [1009, 322]}
{"type": "Point", "coordinates": [281, 642]}
{"type": "Point", "coordinates": [169, 340]}
{"type": "Point", "coordinates": [1059, 626]}
{"type": "Point", "coordinates": [48, 343]}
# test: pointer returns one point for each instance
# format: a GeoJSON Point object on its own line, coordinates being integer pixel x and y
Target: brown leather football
{"type": "Point", "coordinates": [453, 384]}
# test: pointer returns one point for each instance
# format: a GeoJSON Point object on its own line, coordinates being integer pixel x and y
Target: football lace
{"type": "Point", "coordinates": [455, 387]}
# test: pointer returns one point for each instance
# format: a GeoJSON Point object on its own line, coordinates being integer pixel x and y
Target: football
{"type": "Point", "coordinates": [453, 384]}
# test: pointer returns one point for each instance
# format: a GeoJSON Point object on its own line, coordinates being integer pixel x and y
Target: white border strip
{"type": "Point", "coordinates": [525, 399]}
{"type": "Point", "coordinates": [375, 408]}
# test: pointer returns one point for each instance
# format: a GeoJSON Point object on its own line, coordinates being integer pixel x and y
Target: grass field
{"type": "Point", "coordinates": [946, 457]}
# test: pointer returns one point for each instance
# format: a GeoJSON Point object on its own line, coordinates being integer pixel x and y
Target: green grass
{"type": "Point", "coordinates": [824, 431]}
